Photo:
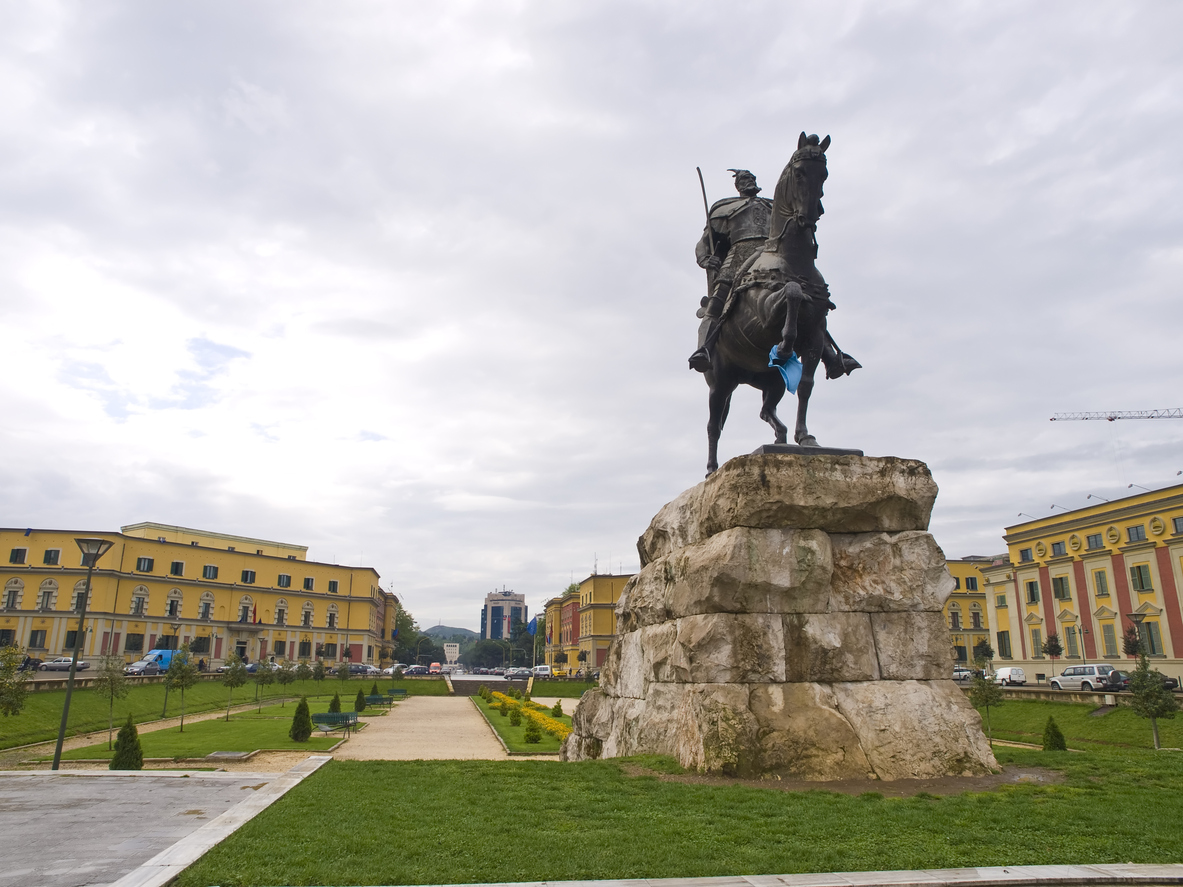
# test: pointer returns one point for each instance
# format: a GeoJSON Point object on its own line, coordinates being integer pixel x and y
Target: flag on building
{"type": "Point", "coordinates": [533, 626]}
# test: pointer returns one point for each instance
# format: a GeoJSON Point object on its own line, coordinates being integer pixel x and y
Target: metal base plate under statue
{"type": "Point", "coordinates": [794, 450]}
{"type": "Point", "coordinates": [787, 619]}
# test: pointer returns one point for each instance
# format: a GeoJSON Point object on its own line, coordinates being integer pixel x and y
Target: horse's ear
{"type": "Point", "coordinates": [801, 141]}
{"type": "Point", "coordinates": [825, 144]}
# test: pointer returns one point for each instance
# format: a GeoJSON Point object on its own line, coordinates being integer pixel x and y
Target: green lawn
{"type": "Point", "coordinates": [1023, 721]}
{"type": "Point", "coordinates": [201, 738]}
{"type": "Point", "coordinates": [515, 737]}
{"type": "Point", "coordinates": [315, 706]}
{"type": "Point", "coordinates": [590, 821]}
{"type": "Point", "coordinates": [559, 689]}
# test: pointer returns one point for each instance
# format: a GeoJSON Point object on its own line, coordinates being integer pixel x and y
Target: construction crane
{"type": "Point", "coordinates": [1176, 413]}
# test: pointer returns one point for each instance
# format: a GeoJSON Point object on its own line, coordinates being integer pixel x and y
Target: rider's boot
{"type": "Point", "coordinates": [710, 313]}
{"type": "Point", "coordinates": [838, 363]}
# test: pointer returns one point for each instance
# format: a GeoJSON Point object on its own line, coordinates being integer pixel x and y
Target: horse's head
{"type": "Point", "coordinates": [798, 195]}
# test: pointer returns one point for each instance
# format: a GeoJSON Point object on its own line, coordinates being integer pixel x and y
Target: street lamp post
{"type": "Point", "coordinates": [1137, 619]}
{"type": "Point", "coordinates": [419, 647]}
{"type": "Point", "coordinates": [92, 550]}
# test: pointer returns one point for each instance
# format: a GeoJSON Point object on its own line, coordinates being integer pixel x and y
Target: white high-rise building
{"type": "Point", "coordinates": [502, 609]}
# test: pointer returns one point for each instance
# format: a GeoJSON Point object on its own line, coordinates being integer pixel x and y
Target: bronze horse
{"type": "Point", "coordinates": [779, 299]}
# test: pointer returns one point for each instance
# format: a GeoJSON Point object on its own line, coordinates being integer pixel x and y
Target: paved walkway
{"type": "Point", "coordinates": [425, 728]}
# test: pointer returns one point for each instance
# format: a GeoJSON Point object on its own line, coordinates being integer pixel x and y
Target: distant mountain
{"type": "Point", "coordinates": [446, 631]}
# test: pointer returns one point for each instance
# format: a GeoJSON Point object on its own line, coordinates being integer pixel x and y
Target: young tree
{"type": "Point", "coordinates": [343, 672]}
{"type": "Point", "coordinates": [374, 689]}
{"type": "Point", "coordinates": [335, 703]}
{"type": "Point", "coordinates": [303, 673]}
{"type": "Point", "coordinates": [12, 681]}
{"type": "Point", "coordinates": [181, 675]}
{"type": "Point", "coordinates": [582, 657]}
{"type": "Point", "coordinates": [234, 676]}
{"type": "Point", "coordinates": [1053, 737]}
{"type": "Point", "coordinates": [359, 704]}
{"type": "Point", "coordinates": [285, 675]}
{"type": "Point", "coordinates": [1150, 698]}
{"type": "Point", "coordinates": [984, 693]}
{"type": "Point", "coordinates": [983, 654]}
{"type": "Point", "coordinates": [110, 681]}
{"type": "Point", "coordinates": [264, 677]}
{"type": "Point", "coordinates": [129, 755]}
{"type": "Point", "coordinates": [1053, 649]}
{"type": "Point", "coordinates": [561, 658]}
{"type": "Point", "coordinates": [1131, 642]}
{"type": "Point", "coordinates": [301, 722]}
{"type": "Point", "coordinates": [318, 671]}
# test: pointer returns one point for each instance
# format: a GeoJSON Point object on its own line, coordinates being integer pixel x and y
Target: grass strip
{"type": "Point", "coordinates": [1024, 720]}
{"type": "Point", "coordinates": [204, 737]}
{"type": "Point", "coordinates": [515, 737]}
{"type": "Point", "coordinates": [557, 689]}
{"type": "Point", "coordinates": [591, 821]}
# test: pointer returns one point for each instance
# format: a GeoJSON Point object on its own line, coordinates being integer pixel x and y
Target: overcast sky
{"type": "Point", "coordinates": [413, 283]}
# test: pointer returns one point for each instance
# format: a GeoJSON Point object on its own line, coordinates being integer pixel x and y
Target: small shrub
{"type": "Point", "coordinates": [533, 734]}
{"type": "Point", "coordinates": [483, 692]}
{"type": "Point", "coordinates": [335, 703]}
{"type": "Point", "coordinates": [1053, 737]}
{"type": "Point", "coordinates": [527, 697]}
{"type": "Point", "coordinates": [359, 704]}
{"type": "Point", "coordinates": [557, 710]}
{"type": "Point", "coordinates": [515, 718]}
{"type": "Point", "coordinates": [129, 755]}
{"type": "Point", "coordinates": [374, 689]}
{"type": "Point", "coordinates": [301, 722]}
{"type": "Point", "coordinates": [503, 708]}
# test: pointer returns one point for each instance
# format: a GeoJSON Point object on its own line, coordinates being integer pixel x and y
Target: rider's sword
{"type": "Point", "coordinates": [707, 208]}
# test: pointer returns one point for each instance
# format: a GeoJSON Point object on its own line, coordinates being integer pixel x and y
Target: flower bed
{"type": "Point", "coordinates": [534, 712]}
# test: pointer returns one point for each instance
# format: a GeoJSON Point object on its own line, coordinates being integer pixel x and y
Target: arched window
{"type": "Point", "coordinates": [246, 608]}
{"type": "Point", "coordinates": [954, 616]}
{"type": "Point", "coordinates": [77, 596]}
{"type": "Point", "coordinates": [205, 610]}
{"type": "Point", "coordinates": [172, 606]}
{"type": "Point", "coordinates": [14, 592]}
{"type": "Point", "coordinates": [332, 620]}
{"type": "Point", "coordinates": [139, 600]}
{"type": "Point", "coordinates": [975, 616]}
{"type": "Point", "coordinates": [281, 612]}
{"type": "Point", "coordinates": [307, 614]}
{"type": "Point", "coordinates": [47, 595]}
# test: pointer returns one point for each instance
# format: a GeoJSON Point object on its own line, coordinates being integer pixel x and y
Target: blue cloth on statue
{"type": "Point", "coordinates": [790, 369]}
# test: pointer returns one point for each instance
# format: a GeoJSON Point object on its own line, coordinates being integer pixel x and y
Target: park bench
{"type": "Point", "coordinates": [379, 700]}
{"type": "Point", "coordinates": [397, 694]}
{"type": "Point", "coordinates": [329, 721]}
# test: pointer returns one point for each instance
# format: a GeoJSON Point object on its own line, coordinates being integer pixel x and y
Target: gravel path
{"type": "Point", "coordinates": [425, 728]}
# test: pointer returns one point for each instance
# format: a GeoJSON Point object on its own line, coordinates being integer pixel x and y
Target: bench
{"type": "Point", "coordinates": [396, 694]}
{"type": "Point", "coordinates": [379, 700]}
{"type": "Point", "coordinates": [329, 721]}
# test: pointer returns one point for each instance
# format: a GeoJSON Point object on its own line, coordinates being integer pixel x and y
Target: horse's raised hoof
{"type": "Point", "coordinates": [807, 440]}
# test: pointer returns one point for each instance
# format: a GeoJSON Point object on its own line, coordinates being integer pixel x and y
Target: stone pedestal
{"type": "Point", "coordinates": [787, 620]}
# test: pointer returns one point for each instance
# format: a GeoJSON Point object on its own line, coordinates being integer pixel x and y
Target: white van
{"type": "Point", "coordinates": [1011, 675]}
{"type": "Point", "coordinates": [542, 671]}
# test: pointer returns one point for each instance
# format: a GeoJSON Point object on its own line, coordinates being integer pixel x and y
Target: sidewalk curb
{"type": "Point", "coordinates": [165, 866]}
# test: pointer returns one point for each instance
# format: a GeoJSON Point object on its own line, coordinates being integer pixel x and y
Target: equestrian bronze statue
{"type": "Point", "coordinates": [764, 317]}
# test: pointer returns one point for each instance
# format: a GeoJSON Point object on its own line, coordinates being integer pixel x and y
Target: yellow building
{"type": "Point", "coordinates": [1088, 576]}
{"type": "Point", "coordinates": [583, 619]}
{"type": "Point", "coordinates": [162, 586]}
{"type": "Point", "coordinates": [965, 611]}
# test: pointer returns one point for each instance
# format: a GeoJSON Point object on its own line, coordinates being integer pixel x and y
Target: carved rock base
{"type": "Point", "coordinates": [787, 619]}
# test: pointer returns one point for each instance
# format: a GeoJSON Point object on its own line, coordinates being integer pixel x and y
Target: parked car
{"type": "Point", "coordinates": [1083, 677]}
{"type": "Point", "coordinates": [1011, 676]}
{"type": "Point", "coordinates": [62, 663]}
{"type": "Point", "coordinates": [358, 668]}
{"type": "Point", "coordinates": [1120, 680]}
{"type": "Point", "coordinates": [415, 669]}
{"type": "Point", "coordinates": [961, 673]}
{"type": "Point", "coordinates": [143, 667]}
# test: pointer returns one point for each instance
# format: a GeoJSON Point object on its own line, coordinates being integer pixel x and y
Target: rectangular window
{"type": "Point", "coordinates": [308, 583]}
{"type": "Point", "coordinates": [174, 607]}
{"type": "Point", "coordinates": [1060, 589]}
{"type": "Point", "coordinates": [1025, 555]}
{"type": "Point", "coordinates": [194, 544]}
{"type": "Point", "coordinates": [975, 619]}
{"type": "Point", "coordinates": [248, 577]}
{"type": "Point", "coordinates": [177, 568]}
{"type": "Point", "coordinates": [1109, 636]}
{"type": "Point", "coordinates": [332, 586]}
{"type": "Point", "coordinates": [1058, 549]}
{"type": "Point", "coordinates": [1036, 644]}
{"type": "Point", "coordinates": [1000, 601]}
{"type": "Point", "coordinates": [954, 621]}
{"type": "Point", "coordinates": [1094, 541]}
{"type": "Point", "coordinates": [137, 606]}
{"type": "Point", "coordinates": [971, 583]}
{"type": "Point", "coordinates": [332, 620]}
{"type": "Point", "coordinates": [1070, 646]}
{"type": "Point", "coordinates": [1136, 533]}
{"type": "Point", "coordinates": [166, 642]}
{"type": "Point", "coordinates": [1140, 578]}
{"type": "Point", "coordinates": [1152, 638]}
{"type": "Point", "coordinates": [1178, 522]}
{"type": "Point", "coordinates": [1032, 592]}
{"type": "Point", "coordinates": [10, 600]}
{"type": "Point", "coordinates": [205, 608]}
{"type": "Point", "coordinates": [956, 583]}
{"type": "Point", "coordinates": [305, 649]}
{"type": "Point", "coordinates": [209, 571]}
{"type": "Point", "coordinates": [199, 644]}
{"type": "Point", "coordinates": [229, 547]}
{"type": "Point", "coordinates": [79, 601]}
{"type": "Point", "coordinates": [52, 556]}
{"type": "Point", "coordinates": [134, 643]}
{"type": "Point", "coordinates": [244, 613]}
{"type": "Point", "coordinates": [329, 651]}
{"type": "Point", "coordinates": [281, 616]}
{"type": "Point", "coordinates": [47, 600]}
{"type": "Point", "coordinates": [1004, 644]}
{"type": "Point", "coordinates": [17, 555]}
{"type": "Point", "coordinates": [291, 557]}
{"type": "Point", "coordinates": [37, 639]}
{"type": "Point", "coordinates": [144, 564]}
{"type": "Point", "coordinates": [71, 639]}
{"type": "Point", "coordinates": [7, 637]}
{"type": "Point", "coordinates": [284, 581]}
{"type": "Point", "coordinates": [280, 648]}
{"type": "Point", "coordinates": [1101, 583]}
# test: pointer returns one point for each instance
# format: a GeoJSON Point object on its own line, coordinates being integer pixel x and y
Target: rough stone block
{"type": "Point", "coordinates": [802, 733]}
{"type": "Point", "coordinates": [727, 648]}
{"type": "Point", "coordinates": [836, 494]}
{"type": "Point", "coordinates": [889, 572]}
{"type": "Point", "coordinates": [829, 647]}
{"type": "Point", "coordinates": [912, 646]}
